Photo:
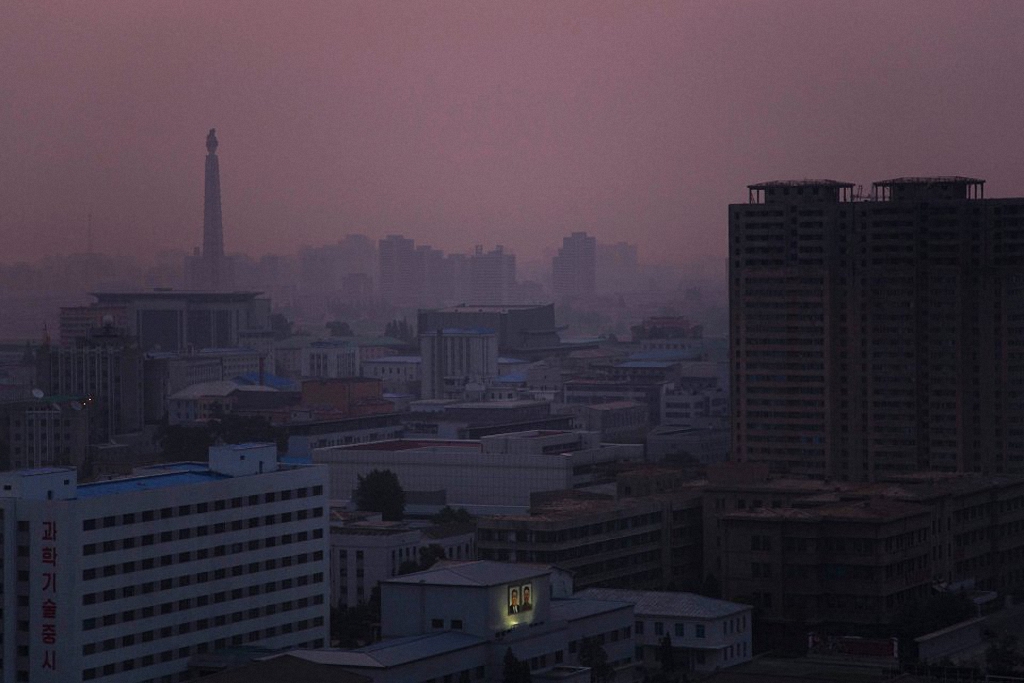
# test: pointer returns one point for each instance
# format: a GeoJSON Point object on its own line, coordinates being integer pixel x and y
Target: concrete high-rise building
{"type": "Point", "coordinates": [492, 277]}
{"type": "Point", "coordinates": [126, 580]}
{"type": "Point", "coordinates": [877, 335]}
{"type": "Point", "coordinates": [400, 276]}
{"type": "Point", "coordinates": [213, 226]}
{"type": "Point", "coordinates": [574, 269]}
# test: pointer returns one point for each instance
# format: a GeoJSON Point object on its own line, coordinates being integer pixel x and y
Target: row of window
{"type": "Point", "coordinates": [186, 533]}
{"type": "Point", "coordinates": [199, 508]}
{"type": "Point", "coordinates": [204, 624]}
{"type": "Point", "coordinates": [187, 651]}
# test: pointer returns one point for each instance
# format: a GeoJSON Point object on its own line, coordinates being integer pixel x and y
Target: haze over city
{"type": "Point", "coordinates": [462, 123]}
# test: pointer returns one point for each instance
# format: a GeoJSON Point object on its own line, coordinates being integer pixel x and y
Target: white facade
{"type": "Point", "coordinates": [399, 374]}
{"type": "Point", "coordinates": [365, 553]}
{"type": "Point", "coordinates": [455, 622]}
{"type": "Point", "coordinates": [708, 634]}
{"type": "Point", "coordinates": [330, 359]}
{"type": "Point", "coordinates": [457, 363]}
{"type": "Point", "coordinates": [495, 475]}
{"type": "Point", "coordinates": [125, 580]}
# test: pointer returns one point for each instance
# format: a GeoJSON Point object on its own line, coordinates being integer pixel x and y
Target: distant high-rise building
{"type": "Point", "coordinates": [574, 269]}
{"type": "Point", "coordinates": [400, 277]}
{"type": "Point", "coordinates": [213, 226]}
{"type": "Point", "coordinates": [877, 336]}
{"type": "Point", "coordinates": [492, 277]}
{"type": "Point", "coordinates": [616, 267]}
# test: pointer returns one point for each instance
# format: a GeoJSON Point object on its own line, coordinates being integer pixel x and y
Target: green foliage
{"type": "Point", "coordinates": [280, 326]}
{"type": "Point", "coordinates": [400, 329]}
{"type": "Point", "coordinates": [337, 328]}
{"type": "Point", "coordinates": [379, 491]}
{"type": "Point", "coordinates": [711, 588]}
{"type": "Point", "coordinates": [450, 515]}
{"type": "Point", "coordinates": [1001, 658]}
{"type": "Point", "coordinates": [666, 655]}
{"type": "Point", "coordinates": [513, 670]}
{"type": "Point", "coordinates": [592, 655]}
{"type": "Point", "coordinates": [429, 556]}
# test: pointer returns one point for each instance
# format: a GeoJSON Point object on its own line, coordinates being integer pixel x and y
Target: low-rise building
{"type": "Point", "coordinates": [649, 542]}
{"type": "Point", "coordinates": [366, 552]}
{"type": "Point", "coordinates": [706, 634]}
{"type": "Point", "coordinates": [400, 374]}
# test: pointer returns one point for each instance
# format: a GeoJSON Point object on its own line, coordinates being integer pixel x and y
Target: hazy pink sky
{"type": "Point", "coordinates": [459, 123]}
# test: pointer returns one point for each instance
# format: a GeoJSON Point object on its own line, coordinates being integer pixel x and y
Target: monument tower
{"type": "Point", "coordinates": [213, 228]}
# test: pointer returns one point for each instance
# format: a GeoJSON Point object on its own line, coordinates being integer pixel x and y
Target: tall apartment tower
{"type": "Point", "coordinates": [213, 266]}
{"type": "Point", "coordinates": [877, 335]}
{"type": "Point", "coordinates": [574, 269]}
{"type": "Point", "coordinates": [492, 276]}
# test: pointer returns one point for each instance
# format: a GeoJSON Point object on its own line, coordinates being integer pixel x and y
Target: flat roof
{"type": "Point", "coordinates": [394, 359]}
{"type": "Point", "coordinates": [198, 296]}
{"type": "Point", "coordinates": [482, 308]}
{"type": "Point", "coordinates": [928, 180]}
{"type": "Point", "coordinates": [410, 445]}
{"type": "Point", "coordinates": [655, 603]}
{"type": "Point", "coordinates": [804, 182]}
{"type": "Point", "coordinates": [147, 483]}
{"type": "Point", "coordinates": [394, 651]}
{"type": "Point", "coordinates": [473, 573]}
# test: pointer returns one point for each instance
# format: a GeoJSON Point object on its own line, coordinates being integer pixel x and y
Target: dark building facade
{"type": "Point", "coordinates": [875, 335]}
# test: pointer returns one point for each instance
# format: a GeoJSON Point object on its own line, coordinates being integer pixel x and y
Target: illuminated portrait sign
{"type": "Point", "coordinates": [520, 598]}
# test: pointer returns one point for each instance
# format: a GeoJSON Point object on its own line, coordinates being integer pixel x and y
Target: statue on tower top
{"type": "Point", "coordinates": [211, 141]}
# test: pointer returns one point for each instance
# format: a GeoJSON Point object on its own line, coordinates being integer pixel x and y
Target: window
{"type": "Point", "coordinates": [659, 628]}
{"type": "Point", "coordinates": [699, 630]}
{"type": "Point", "coordinates": [680, 630]}
{"type": "Point", "coordinates": [456, 624]}
{"type": "Point", "coordinates": [639, 628]}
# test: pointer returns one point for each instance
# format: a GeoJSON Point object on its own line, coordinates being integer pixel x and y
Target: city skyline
{"type": "Point", "coordinates": [462, 124]}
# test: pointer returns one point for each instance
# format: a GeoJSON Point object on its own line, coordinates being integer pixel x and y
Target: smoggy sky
{"type": "Point", "coordinates": [462, 123]}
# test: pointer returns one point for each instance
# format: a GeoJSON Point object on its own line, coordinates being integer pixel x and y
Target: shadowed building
{"type": "Point", "coordinates": [873, 336]}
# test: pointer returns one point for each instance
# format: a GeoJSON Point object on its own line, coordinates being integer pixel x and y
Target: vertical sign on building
{"type": "Point", "coordinates": [48, 586]}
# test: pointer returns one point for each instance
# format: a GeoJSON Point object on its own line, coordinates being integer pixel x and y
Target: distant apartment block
{"type": "Point", "coordinates": [574, 269]}
{"type": "Point", "coordinates": [877, 335]}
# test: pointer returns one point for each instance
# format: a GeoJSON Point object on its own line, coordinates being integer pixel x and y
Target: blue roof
{"type": "Point", "coordinates": [272, 381]}
{"type": "Point", "coordinates": [502, 360]}
{"type": "Point", "coordinates": [394, 359]}
{"type": "Point", "coordinates": [148, 483]}
{"type": "Point", "coordinates": [512, 378]}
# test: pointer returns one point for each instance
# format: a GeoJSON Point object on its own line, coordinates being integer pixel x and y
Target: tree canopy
{"type": "Point", "coordinates": [592, 655]}
{"type": "Point", "coordinates": [380, 491]}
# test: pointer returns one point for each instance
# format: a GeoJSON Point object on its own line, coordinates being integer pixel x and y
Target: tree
{"type": "Point", "coordinates": [280, 326]}
{"type": "Point", "coordinates": [450, 515]}
{"type": "Point", "coordinates": [930, 614]}
{"type": "Point", "coordinates": [379, 491]}
{"type": "Point", "coordinates": [592, 655]}
{"type": "Point", "coordinates": [429, 556]}
{"type": "Point", "coordinates": [1001, 658]}
{"type": "Point", "coordinates": [338, 328]}
{"type": "Point", "coordinates": [666, 655]}
{"type": "Point", "coordinates": [400, 329]}
{"type": "Point", "coordinates": [513, 670]}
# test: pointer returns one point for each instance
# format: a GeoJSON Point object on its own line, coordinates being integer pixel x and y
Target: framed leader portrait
{"type": "Point", "coordinates": [520, 598]}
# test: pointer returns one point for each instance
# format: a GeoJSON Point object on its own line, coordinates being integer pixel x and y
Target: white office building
{"type": "Point", "coordinates": [495, 475]}
{"type": "Point", "coordinates": [125, 580]}
{"type": "Point", "coordinates": [456, 621]}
